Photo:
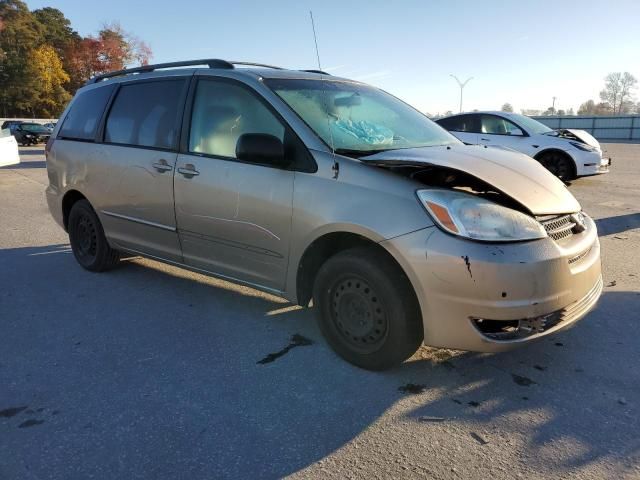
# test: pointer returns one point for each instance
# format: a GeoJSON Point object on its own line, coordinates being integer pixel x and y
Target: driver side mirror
{"type": "Point", "coordinates": [261, 148]}
{"type": "Point", "coordinates": [516, 132]}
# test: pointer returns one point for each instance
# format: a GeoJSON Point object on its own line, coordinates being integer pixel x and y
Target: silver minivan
{"type": "Point", "coordinates": [328, 192]}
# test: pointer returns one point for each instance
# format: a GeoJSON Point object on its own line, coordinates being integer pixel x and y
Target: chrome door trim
{"type": "Point", "coordinates": [139, 220]}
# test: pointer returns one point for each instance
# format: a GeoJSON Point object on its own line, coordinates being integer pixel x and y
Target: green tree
{"type": "Point", "coordinates": [56, 29]}
{"type": "Point", "coordinates": [21, 33]}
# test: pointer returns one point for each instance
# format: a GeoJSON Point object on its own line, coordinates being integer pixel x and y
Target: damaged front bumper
{"type": "Point", "coordinates": [493, 297]}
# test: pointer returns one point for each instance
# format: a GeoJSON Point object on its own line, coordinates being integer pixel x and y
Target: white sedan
{"type": "Point", "coordinates": [567, 153]}
{"type": "Point", "coordinates": [8, 149]}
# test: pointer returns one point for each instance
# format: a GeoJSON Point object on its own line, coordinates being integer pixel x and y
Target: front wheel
{"type": "Point", "coordinates": [559, 164]}
{"type": "Point", "coordinates": [367, 309]}
{"type": "Point", "coordinates": [89, 245]}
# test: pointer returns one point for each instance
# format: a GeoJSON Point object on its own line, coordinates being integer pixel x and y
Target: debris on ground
{"type": "Point", "coordinates": [522, 381]}
{"type": "Point", "coordinates": [612, 283]}
{"type": "Point", "coordinates": [10, 412]}
{"type": "Point", "coordinates": [412, 388]}
{"type": "Point", "coordinates": [431, 419]}
{"type": "Point", "coordinates": [478, 438]}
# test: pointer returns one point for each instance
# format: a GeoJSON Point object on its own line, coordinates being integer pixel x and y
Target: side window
{"type": "Point", "coordinates": [146, 114]}
{"type": "Point", "coordinates": [223, 111]}
{"type": "Point", "coordinates": [460, 123]}
{"type": "Point", "coordinates": [82, 119]}
{"type": "Point", "coordinates": [494, 125]}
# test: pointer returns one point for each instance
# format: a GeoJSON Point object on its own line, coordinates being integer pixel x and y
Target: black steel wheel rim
{"type": "Point", "coordinates": [358, 314]}
{"type": "Point", "coordinates": [86, 238]}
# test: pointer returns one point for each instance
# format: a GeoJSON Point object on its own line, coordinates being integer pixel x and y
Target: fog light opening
{"type": "Point", "coordinates": [512, 329]}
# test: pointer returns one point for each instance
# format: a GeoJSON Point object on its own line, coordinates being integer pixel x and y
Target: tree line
{"type": "Point", "coordinates": [616, 98]}
{"type": "Point", "coordinates": [43, 60]}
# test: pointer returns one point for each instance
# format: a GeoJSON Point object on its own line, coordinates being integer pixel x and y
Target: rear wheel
{"type": "Point", "coordinates": [367, 309]}
{"type": "Point", "coordinates": [559, 164]}
{"type": "Point", "coordinates": [89, 245]}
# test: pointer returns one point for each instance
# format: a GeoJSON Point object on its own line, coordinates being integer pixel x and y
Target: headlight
{"type": "Point", "coordinates": [584, 147]}
{"type": "Point", "coordinates": [479, 219]}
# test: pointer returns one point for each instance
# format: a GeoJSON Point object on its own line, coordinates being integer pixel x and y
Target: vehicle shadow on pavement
{"type": "Point", "coordinates": [151, 371]}
{"type": "Point", "coordinates": [574, 394]}
{"type": "Point", "coordinates": [23, 165]}
{"type": "Point", "coordinates": [36, 151]}
{"type": "Point", "coordinates": [619, 224]}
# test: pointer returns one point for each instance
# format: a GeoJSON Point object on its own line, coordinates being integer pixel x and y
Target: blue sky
{"type": "Point", "coordinates": [519, 52]}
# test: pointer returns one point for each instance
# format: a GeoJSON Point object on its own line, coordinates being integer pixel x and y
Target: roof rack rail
{"type": "Point", "coordinates": [210, 62]}
{"type": "Point", "coordinates": [322, 72]}
{"type": "Point", "coordinates": [252, 64]}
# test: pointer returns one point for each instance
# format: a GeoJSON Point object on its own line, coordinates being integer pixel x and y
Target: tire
{"type": "Point", "coordinates": [89, 245]}
{"type": "Point", "coordinates": [367, 309]}
{"type": "Point", "coordinates": [559, 164]}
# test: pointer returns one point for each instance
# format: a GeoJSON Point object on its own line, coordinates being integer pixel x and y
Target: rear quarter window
{"type": "Point", "coordinates": [84, 115]}
{"type": "Point", "coordinates": [146, 114]}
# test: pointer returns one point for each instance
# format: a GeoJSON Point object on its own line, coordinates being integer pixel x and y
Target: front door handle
{"type": "Point", "coordinates": [162, 166]}
{"type": "Point", "coordinates": [188, 170]}
{"type": "Point", "coordinates": [485, 139]}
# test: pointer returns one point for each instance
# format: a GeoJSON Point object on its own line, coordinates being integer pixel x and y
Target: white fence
{"type": "Point", "coordinates": [36, 120]}
{"type": "Point", "coordinates": [620, 127]}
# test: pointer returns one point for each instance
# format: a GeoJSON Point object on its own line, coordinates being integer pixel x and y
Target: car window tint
{"type": "Point", "coordinates": [223, 111]}
{"type": "Point", "coordinates": [146, 114]}
{"type": "Point", "coordinates": [82, 120]}
{"type": "Point", "coordinates": [495, 125]}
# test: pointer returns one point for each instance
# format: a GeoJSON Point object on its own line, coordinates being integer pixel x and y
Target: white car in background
{"type": "Point", "coordinates": [567, 153]}
{"type": "Point", "coordinates": [8, 149]}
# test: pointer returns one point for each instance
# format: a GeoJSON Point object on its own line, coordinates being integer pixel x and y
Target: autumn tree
{"type": "Point", "coordinates": [47, 68]}
{"type": "Point", "coordinates": [112, 49]}
{"type": "Point", "coordinates": [43, 61]}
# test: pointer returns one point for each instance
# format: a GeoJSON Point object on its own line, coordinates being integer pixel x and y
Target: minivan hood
{"type": "Point", "coordinates": [514, 174]}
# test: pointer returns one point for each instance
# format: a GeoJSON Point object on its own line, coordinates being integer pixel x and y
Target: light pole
{"type": "Point", "coordinates": [461, 85]}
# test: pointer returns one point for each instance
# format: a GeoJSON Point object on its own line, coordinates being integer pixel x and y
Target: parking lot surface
{"type": "Point", "coordinates": [150, 371]}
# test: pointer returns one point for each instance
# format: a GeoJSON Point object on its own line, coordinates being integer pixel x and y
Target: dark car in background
{"type": "Point", "coordinates": [28, 133]}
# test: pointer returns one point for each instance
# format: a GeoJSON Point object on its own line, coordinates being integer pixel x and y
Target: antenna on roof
{"type": "Point", "coordinates": [336, 165]}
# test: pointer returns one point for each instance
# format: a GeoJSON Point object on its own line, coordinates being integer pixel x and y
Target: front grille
{"type": "Point", "coordinates": [560, 227]}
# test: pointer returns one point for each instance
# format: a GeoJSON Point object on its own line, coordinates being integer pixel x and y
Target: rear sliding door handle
{"type": "Point", "coordinates": [162, 166]}
{"type": "Point", "coordinates": [485, 139]}
{"type": "Point", "coordinates": [188, 170]}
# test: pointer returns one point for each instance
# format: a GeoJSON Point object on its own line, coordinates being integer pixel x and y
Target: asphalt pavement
{"type": "Point", "coordinates": [153, 372]}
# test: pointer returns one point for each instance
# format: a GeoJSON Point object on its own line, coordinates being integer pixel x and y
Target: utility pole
{"type": "Point", "coordinates": [553, 105]}
{"type": "Point", "coordinates": [461, 85]}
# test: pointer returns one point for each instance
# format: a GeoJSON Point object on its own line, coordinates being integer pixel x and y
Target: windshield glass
{"type": "Point", "coordinates": [358, 119]}
{"type": "Point", "coordinates": [33, 128]}
{"type": "Point", "coordinates": [530, 125]}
